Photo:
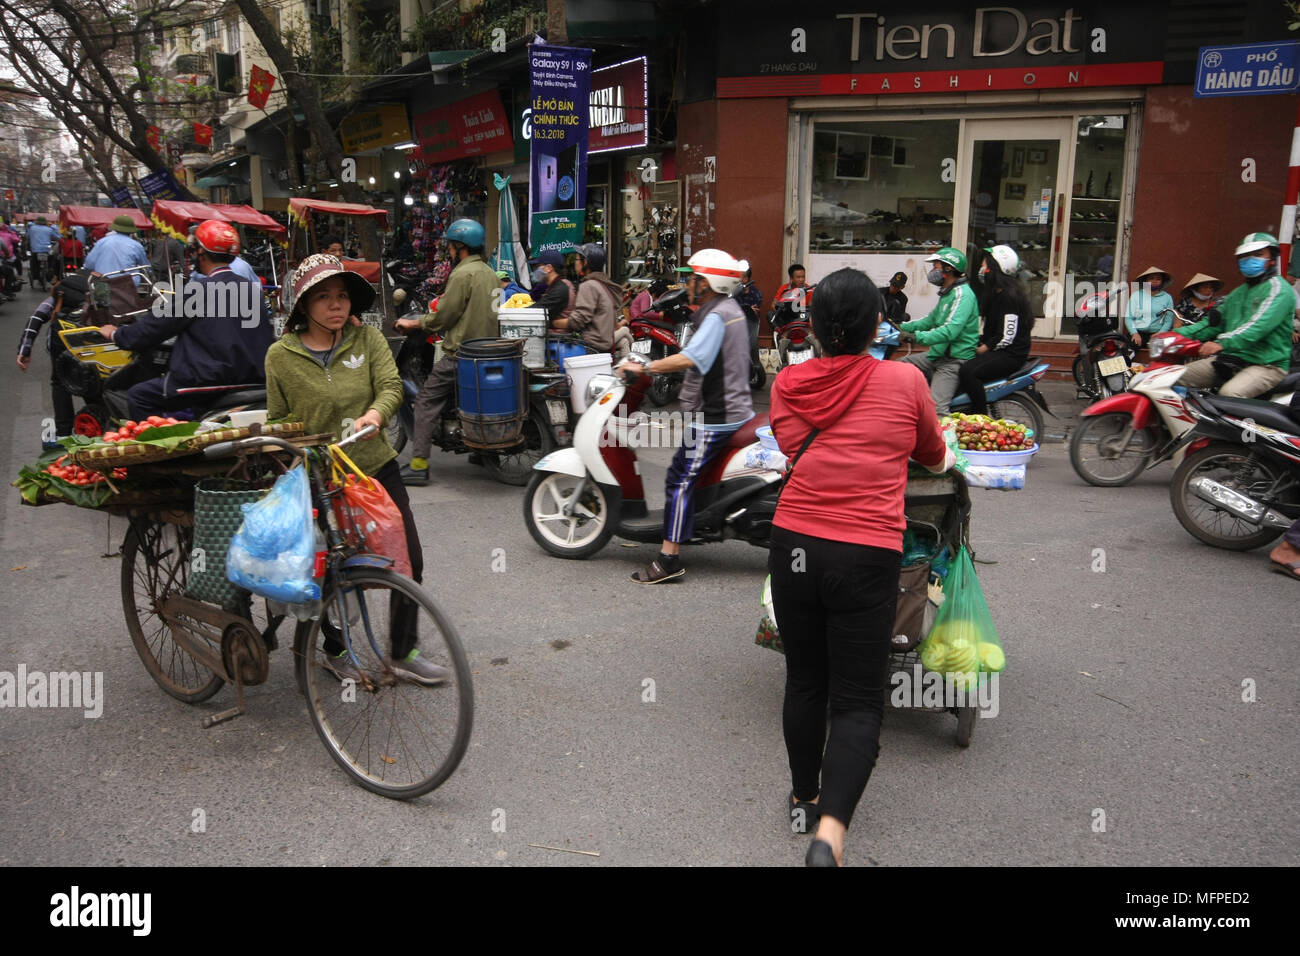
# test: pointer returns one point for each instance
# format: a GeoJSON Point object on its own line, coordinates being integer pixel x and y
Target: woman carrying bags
{"type": "Point", "coordinates": [329, 371]}
{"type": "Point", "coordinates": [848, 423]}
{"type": "Point", "coordinates": [1008, 325]}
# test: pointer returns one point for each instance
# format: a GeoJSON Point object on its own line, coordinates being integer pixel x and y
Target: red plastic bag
{"type": "Point", "coordinates": [367, 515]}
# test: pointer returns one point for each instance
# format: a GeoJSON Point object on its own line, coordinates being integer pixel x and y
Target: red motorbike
{"type": "Point", "coordinates": [795, 342]}
{"type": "Point", "coordinates": [664, 336]}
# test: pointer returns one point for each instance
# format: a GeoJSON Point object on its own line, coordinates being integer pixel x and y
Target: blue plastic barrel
{"type": "Point", "coordinates": [491, 391]}
{"type": "Point", "coordinates": [557, 351]}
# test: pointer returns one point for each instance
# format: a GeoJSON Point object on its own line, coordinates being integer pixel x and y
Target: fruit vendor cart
{"type": "Point", "coordinates": [937, 509]}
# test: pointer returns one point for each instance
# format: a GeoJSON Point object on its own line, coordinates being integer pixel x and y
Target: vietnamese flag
{"type": "Point", "coordinates": [259, 87]}
{"type": "Point", "coordinates": [153, 136]}
{"type": "Point", "coordinates": [202, 134]}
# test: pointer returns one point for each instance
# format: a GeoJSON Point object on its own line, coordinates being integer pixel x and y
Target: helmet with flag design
{"type": "Point", "coordinates": [1005, 258]}
{"type": "Point", "coordinates": [719, 269]}
{"type": "Point", "coordinates": [1257, 241]}
{"type": "Point", "coordinates": [217, 237]}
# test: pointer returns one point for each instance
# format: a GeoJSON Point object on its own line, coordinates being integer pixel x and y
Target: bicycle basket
{"type": "Point", "coordinates": [217, 516]}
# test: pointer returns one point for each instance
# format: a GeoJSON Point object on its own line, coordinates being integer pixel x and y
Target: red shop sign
{"type": "Point", "coordinates": [471, 127]}
{"type": "Point", "coordinates": [619, 119]}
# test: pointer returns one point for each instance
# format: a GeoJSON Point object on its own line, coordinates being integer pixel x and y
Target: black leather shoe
{"type": "Point", "coordinates": [819, 854]}
{"type": "Point", "coordinates": [805, 822]}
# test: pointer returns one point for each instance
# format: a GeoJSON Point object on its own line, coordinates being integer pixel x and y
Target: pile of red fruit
{"type": "Point", "coordinates": [129, 430]}
{"type": "Point", "coordinates": [982, 433]}
{"type": "Point", "coordinates": [76, 475]}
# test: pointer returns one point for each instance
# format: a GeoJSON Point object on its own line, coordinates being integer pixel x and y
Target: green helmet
{"type": "Point", "coordinates": [1257, 241]}
{"type": "Point", "coordinates": [953, 257]}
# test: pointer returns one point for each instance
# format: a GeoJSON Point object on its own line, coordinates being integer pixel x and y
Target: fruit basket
{"type": "Point", "coordinates": [1001, 459]}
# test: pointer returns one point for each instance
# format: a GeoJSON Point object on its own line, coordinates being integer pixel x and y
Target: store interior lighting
{"type": "Point", "coordinates": [372, 180]}
{"type": "Point", "coordinates": [408, 200]}
{"type": "Point", "coordinates": [408, 145]}
{"type": "Point", "coordinates": [433, 199]}
{"type": "Point", "coordinates": [397, 174]}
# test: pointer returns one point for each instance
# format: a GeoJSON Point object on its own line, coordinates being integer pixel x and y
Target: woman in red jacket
{"type": "Point", "coordinates": [853, 422]}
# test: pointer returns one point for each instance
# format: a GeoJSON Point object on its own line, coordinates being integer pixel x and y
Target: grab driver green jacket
{"type": "Point", "coordinates": [1256, 323]}
{"type": "Point", "coordinates": [360, 375]}
{"type": "Point", "coordinates": [952, 329]}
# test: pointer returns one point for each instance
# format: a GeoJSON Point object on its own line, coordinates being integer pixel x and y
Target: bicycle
{"type": "Point", "coordinates": [394, 738]}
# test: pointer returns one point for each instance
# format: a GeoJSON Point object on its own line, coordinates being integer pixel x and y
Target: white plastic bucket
{"type": "Point", "coordinates": [529, 324]}
{"type": "Point", "coordinates": [581, 369]}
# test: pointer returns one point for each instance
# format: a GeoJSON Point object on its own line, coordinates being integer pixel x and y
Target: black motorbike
{"type": "Point", "coordinates": [547, 427]}
{"type": "Point", "coordinates": [1239, 486]}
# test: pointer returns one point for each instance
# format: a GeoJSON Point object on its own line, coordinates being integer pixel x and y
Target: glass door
{"type": "Point", "coordinates": [1010, 191]}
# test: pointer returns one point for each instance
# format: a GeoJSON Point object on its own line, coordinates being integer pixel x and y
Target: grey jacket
{"type": "Point", "coordinates": [595, 310]}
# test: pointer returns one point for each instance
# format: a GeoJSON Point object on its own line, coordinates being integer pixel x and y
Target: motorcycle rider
{"type": "Point", "coordinates": [597, 303]}
{"type": "Point", "coordinates": [798, 280]}
{"type": "Point", "coordinates": [467, 309]}
{"type": "Point", "coordinates": [1008, 324]}
{"type": "Point", "coordinates": [1252, 328]}
{"type": "Point", "coordinates": [1199, 296]}
{"type": "Point", "coordinates": [1149, 307]}
{"type": "Point", "coordinates": [220, 346]}
{"type": "Point", "coordinates": [8, 272]}
{"type": "Point", "coordinates": [66, 292]}
{"type": "Point", "coordinates": [41, 238]}
{"type": "Point", "coordinates": [951, 330]}
{"type": "Point", "coordinates": [716, 362]}
{"type": "Point", "coordinates": [561, 295]}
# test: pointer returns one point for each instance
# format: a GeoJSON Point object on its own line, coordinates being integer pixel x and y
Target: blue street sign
{"type": "Point", "coordinates": [1248, 69]}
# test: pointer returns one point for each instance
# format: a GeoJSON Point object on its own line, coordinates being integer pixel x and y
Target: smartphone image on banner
{"type": "Point", "coordinates": [567, 182]}
{"type": "Point", "coordinates": [547, 183]}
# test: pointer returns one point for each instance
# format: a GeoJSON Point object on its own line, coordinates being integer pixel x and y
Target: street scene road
{"type": "Point", "coordinates": [1146, 716]}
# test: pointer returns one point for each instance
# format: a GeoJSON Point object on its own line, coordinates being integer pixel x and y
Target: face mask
{"type": "Point", "coordinates": [1252, 267]}
{"type": "Point", "coordinates": [537, 275]}
{"type": "Point", "coordinates": [934, 277]}
{"type": "Point", "coordinates": [1203, 296]}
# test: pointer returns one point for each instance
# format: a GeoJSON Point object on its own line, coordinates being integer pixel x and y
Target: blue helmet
{"type": "Point", "coordinates": [466, 231]}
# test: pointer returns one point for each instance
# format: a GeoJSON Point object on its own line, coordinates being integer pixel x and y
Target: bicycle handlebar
{"type": "Point", "coordinates": [224, 448]}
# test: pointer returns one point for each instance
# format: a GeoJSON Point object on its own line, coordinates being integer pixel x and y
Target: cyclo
{"type": "Point", "coordinates": [394, 738]}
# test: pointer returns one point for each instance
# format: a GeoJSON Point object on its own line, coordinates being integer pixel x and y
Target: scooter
{"type": "Point", "coordinates": [1104, 363]}
{"type": "Point", "coordinates": [1238, 487]}
{"type": "Point", "coordinates": [1015, 398]}
{"type": "Point", "coordinates": [1121, 436]}
{"type": "Point", "coordinates": [795, 342]}
{"type": "Point", "coordinates": [546, 427]}
{"type": "Point", "coordinates": [582, 496]}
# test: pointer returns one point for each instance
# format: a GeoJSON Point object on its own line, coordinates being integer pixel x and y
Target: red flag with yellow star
{"type": "Point", "coordinates": [202, 134]}
{"type": "Point", "coordinates": [153, 136]}
{"type": "Point", "coordinates": [259, 87]}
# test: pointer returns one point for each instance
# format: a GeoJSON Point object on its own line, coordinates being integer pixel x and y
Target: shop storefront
{"type": "Point", "coordinates": [889, 134]}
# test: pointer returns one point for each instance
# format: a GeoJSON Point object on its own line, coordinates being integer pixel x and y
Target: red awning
{"type": "Point", "coordinates": [248, 216]}
{"type": "Point", "coordinates": [367, 270]}
{"type": "Point", "coordinates": [301, 209]}
{"type": "Point", "coordinates": [51, 217]}
{"type": "Point", "coordinates": [91, 216]}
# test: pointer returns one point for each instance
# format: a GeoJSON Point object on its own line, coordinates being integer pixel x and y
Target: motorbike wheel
{"type": "Point", "coordinates": [1228, 465]}
{"type": "Point", "coordinates": [516, 467]}
{"type": "Point", "coordinates": [664, 388]}
{"type": "Point", "coordinates": [1018, 407]}
{"type": "Point", "coordinates": [92, 421]}
{"type": "Point", "coordinates": [1083, 371]}
{"type": "Point", "coordinates": [757, 376]}
{"type": "Point", "coordinates": [1094, 450]}
{"type": "Point", "coordinates": [574, 537]}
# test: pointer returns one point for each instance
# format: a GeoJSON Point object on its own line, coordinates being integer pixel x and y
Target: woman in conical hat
{"type": "Point", "coordinates": [1199, 295]}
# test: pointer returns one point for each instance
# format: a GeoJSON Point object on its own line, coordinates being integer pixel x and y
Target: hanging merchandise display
{"type": "Point", "coordinates": [651, 234]}
{"type": "Point", "coordinates": [459, 193]}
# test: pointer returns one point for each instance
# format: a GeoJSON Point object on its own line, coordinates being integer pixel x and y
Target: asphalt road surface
{"type": "Point", "coordinates": [1122, 735]}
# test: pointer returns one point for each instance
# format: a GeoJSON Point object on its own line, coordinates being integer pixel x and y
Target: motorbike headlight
{"type": "Point", "coordinates": [598, 386]}
{"type": "Point", "coordinates": [1157, 346]}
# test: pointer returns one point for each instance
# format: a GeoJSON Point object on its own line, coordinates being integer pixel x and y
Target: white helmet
{"type": "Point", "coordinates": [1257, 241]}
{"type": "Point", "coordinates": [722, 272]}
{"type": "Point", "coordinates": [1006, 259]}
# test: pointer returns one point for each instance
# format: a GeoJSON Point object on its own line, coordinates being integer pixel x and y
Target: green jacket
{"type": "Point", "coordinates": [1256, 323]}
{"type": "Point", "coordinates": [468, 307]}
{"type": "Point", "coordinates": [361, 375]}
{"type": "Point", "coordinates": [952, 329]}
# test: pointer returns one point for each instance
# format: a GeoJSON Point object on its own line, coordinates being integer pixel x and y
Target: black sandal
{"type": "Point", "coordinates": [655, 573]}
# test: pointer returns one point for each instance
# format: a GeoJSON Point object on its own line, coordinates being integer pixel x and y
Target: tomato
{"type": "Point", "coordinates": [111, 436]}
{"type": "Point", "coordinates": [155, 419]}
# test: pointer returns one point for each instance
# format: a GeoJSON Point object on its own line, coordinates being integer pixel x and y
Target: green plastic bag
{"type": "Point", "coordinates": [963, 644]}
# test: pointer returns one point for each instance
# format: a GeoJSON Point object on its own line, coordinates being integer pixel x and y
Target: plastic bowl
{"type": "Point", "coordinates": [766, 438]}
{"type": "Point", "coordinates": [1000, 457]}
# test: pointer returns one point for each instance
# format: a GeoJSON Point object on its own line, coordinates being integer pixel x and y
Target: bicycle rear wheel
{"type": "Point", "coordinates": [393, 737]}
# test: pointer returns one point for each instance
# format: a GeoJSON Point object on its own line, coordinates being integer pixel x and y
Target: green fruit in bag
{"type": "Point", "coordinates": [991, 657]}
{"type": "Point", "coordinates": [962, 656]}
{"type": "Point", "coordinates": [933, 654]}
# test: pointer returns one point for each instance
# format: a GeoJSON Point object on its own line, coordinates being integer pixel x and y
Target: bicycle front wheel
{"type": "Point", "coordinates": [394, 737]}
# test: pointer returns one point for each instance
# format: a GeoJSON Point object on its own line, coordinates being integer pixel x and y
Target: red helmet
{"type": "Point", "coordinates": [217, 236]}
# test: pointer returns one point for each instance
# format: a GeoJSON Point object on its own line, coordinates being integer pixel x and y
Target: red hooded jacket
{"type": "Point", "coordinates": [873, 416]}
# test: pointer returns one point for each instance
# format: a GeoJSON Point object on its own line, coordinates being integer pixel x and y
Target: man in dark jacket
{"type": "Point", "coordinates": [222, 328]}
{"type": "Point", "coordinates": [895, 299]}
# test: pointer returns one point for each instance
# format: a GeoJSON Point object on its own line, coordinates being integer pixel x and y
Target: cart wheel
{"type": "Point", "coordinates": [965, 724]}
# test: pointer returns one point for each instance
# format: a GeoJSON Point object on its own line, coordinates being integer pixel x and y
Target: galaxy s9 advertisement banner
{"type": "Point", "coordinates": [559, 102]}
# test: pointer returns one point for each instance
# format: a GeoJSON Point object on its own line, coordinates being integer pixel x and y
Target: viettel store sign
{"type": "Point", "coordinates": [827, 50]}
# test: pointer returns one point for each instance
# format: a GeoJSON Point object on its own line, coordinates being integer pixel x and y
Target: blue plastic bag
{"type": "Point", "coordinates": [274, 550]}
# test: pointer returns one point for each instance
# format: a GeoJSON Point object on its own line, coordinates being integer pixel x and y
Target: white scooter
{"type": "Point", "coordinates": [580, 497]}
{"type": "Point", "coordinates": [1121, 436]}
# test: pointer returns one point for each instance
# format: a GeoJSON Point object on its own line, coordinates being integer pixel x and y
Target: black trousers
{"type": "Point", "coordinates": [987, 367]}
{"type": "Point", "coordinates": [64, 412]}
{"type": "Point", "coordinates": [834, 606]}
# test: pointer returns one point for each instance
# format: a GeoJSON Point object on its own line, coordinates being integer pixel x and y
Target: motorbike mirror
{"type": "Point", "coordinates": [669, 300]}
